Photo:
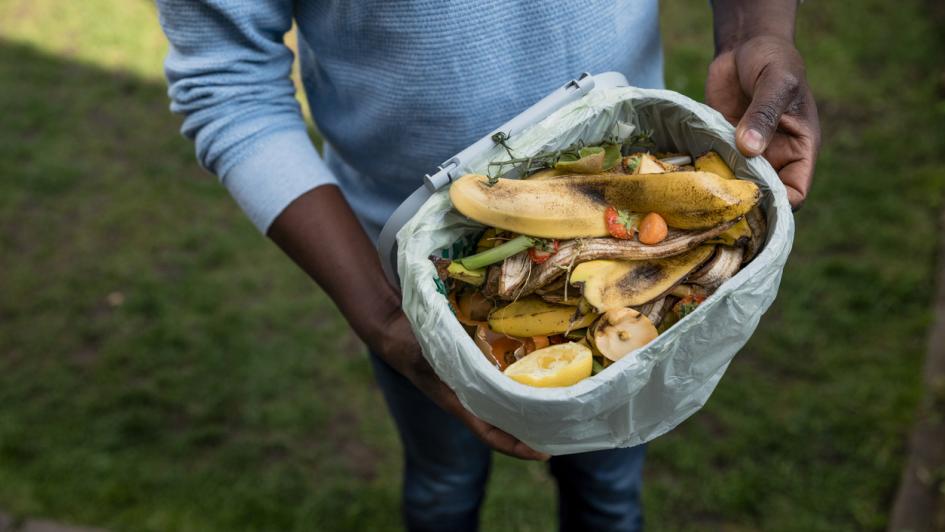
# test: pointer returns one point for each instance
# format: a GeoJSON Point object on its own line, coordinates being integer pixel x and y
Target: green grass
{"type": "Point", "coordinates": [221, 391]}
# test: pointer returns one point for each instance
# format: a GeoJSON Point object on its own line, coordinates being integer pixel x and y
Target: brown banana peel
{"type": "Point", "coordinates": [759, 233]}
{"type": "Point", "coordinates": [657, 309]}
{"type": "Point", "coordinates": [518, 276]}
{"type": "Point", "coordinates": [720, 268]}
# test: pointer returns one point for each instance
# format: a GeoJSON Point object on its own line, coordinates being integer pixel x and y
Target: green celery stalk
{"type": "Point", "coordinates": [498, 253]}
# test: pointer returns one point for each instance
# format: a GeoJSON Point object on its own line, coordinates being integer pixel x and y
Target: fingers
{"type": "Point", "coordinates": [504, 442]}
{"type": "Point", "coordinates": [774, 92]}
{"type": "Point", "coordinates": [793, 159]}
{"type": "Point", "coordinates": [793, 152]}
{"type": "Point", "coordinates": [781, 123]}
{"type": "Point", "coordinates": [796, 177]}
{"type": "Point", "coordinates": [492, 436]}
{"type": "Point", "coordinates": [722, 89]}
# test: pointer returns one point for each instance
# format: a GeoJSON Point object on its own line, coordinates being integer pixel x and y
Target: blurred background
{"type": "Point", "coordinates": [164, 367]}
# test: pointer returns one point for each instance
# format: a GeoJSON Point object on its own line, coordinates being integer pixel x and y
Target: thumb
{"type": "Point", "coordinates": [773, 93]}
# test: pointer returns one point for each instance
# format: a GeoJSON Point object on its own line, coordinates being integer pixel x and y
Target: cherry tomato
{"type": "Point", "coordinates": [543, 251]}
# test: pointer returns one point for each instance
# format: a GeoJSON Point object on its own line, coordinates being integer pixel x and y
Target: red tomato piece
{"type": "Point", "coordinates": [621, 224]}
{"type": "Point", "coordinates": [543, 250]}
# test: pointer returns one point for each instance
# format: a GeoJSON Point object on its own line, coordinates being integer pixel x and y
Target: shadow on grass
{"type": "Point", "coordinates": [162, 367]}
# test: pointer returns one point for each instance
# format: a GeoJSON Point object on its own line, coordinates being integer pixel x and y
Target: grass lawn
{"type": "Point", "coordinates": [163, 367]}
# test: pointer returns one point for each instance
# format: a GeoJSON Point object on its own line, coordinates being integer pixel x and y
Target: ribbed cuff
{"type": "Point", "coordinates": [281, 168]}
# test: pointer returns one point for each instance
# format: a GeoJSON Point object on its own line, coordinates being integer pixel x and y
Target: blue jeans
{"type": "Point", "coordinates": [447, 467]}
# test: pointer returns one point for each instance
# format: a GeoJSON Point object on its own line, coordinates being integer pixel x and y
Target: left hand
{"type": "Point", "coordinates": [760, 86]}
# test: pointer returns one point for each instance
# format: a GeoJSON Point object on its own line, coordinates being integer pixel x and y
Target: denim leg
{"type": "Point", "coordinates": [446, 466]}
{"type": "Point", "coordinates": [600, 490]}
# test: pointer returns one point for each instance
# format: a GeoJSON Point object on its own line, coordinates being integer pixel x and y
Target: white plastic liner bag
{"type": "Point", "coordinates": [649, 392]}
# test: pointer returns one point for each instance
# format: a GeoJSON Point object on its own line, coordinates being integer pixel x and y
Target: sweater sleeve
{"type": "Point", "coordinates": [228, 71]}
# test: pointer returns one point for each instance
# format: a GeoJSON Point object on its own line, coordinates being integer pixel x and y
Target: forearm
{"type": "Point", "coordinates": [740, 20]}
{"type": "Point", "coordinates": [321, 234]}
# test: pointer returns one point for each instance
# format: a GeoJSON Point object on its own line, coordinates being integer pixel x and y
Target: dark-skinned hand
{"type": "Point", "coordinates": [400, 350]}
{"type": "Point", "coordinates": [760, 86]}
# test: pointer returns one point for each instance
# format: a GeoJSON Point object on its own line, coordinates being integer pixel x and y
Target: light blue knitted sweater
{"type": "Point", "coordinates": [395, 86]}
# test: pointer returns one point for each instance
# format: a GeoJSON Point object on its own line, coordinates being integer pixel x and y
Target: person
{"type": "Point", "coordinates": [396, 88]}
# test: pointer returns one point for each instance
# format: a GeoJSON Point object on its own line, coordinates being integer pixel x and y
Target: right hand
{"type": "Point", "coordinates": [398, 347]}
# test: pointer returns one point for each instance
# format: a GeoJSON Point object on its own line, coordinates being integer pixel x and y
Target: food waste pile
{"type": "Point", "coordinates": [594, 253]}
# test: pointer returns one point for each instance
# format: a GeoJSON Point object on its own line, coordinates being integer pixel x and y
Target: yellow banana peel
{"type": "Point", "coordinates": [573, 206]}
{"type": "Point", "coordinates": [532, 316]}
{"type": "Point", "coordinates": [614, 284]}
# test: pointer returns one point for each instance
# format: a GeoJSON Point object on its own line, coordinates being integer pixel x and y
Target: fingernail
{"type": "Point", "coordinates": [753, 141]}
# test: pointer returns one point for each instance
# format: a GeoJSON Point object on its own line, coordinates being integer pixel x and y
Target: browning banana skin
{"type": "Point", "coordinates": [570, 206]}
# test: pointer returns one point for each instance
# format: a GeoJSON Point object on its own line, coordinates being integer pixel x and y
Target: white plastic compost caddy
{"type": "Point", "coordinates": [646, 393]}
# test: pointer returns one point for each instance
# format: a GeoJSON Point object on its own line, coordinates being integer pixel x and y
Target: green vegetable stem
{"type": "Point", "coordinates": [498, 253]}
